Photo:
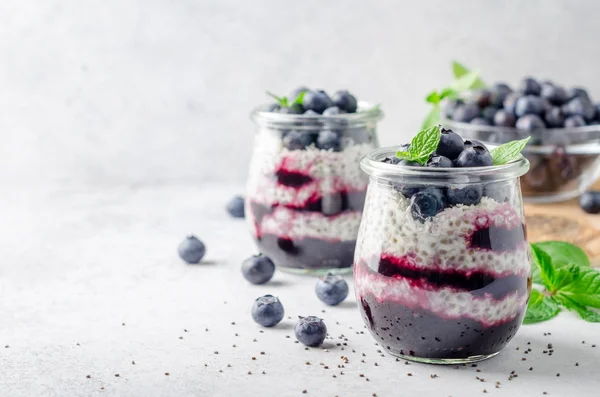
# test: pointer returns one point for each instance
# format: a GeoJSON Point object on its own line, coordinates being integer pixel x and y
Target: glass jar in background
{"type": "Point", "coordinates": [442, 264]}
{"type": "Point", "coordinates": [305, 190]}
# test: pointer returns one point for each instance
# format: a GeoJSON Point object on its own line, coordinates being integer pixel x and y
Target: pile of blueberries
{"type": "Point", "coordinates": [532, 106]}
{"type": "Point", "coordinates": [316, 103]}
{"type": "Point", "coordinates": [452, 151]}
{"type": "Point", "coordinates": [267, 310]}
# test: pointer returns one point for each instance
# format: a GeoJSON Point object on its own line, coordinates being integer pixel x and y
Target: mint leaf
{"type": "Point", "coordinates": [448, 93]}
{"type": "Point", "coordinates": [566, 275]}
{"type": "Point", "coordinates": [424, 143]}
{"type": "Point", "coordinates": [282, 101]}
{"type": "Point", "coordinates": [585, 313]}
{"type": "Point", "coordinates": [300, 98]}
{"type": "Point", "coordinates": [460, 70]}
{"type": "Point", "coordinates": [544, 263]}
{"type": "Point", "coordinates": [433, 97]}
{"type": "Point", "coordinates": [508, 152]}
{"type": "Point", "coordinates": [562, 254]}
{"type": "Point", "coordinates": [540, 308]}
{"type": "Point", "coordinates": [465, 82]}
{"type": "Point", "coordinates": [585, 288]}
{"type": "Point", "coordinates": [433, 117]}
{"type": "Point", "coordinates": [403, 155]}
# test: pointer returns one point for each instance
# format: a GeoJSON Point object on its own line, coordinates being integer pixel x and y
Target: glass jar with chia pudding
{"type": "Point", "coordinates": [442, 264]}
{"type": "Point", "coordinates": [305, 190]}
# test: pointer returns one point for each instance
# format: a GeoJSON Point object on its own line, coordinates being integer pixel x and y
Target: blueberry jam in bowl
{"type": "Point", "coordinates": [442, 264]}
{"type": "Point", "coordinates": [305, 190]}
{"type": "Point", "coordinates": [565, 162]}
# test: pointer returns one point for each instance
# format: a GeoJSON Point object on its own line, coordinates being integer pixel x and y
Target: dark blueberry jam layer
{"type": "Point", "coordinates": [421, 333]}
{"type": "Point", "coordinates": [478, 283]}
{"type": "Point", "coordinates": [498, 239]}
{"type": "Point", "coordinates": [292, 178]}
{"type": "Point", "coordinates": [307, 253]}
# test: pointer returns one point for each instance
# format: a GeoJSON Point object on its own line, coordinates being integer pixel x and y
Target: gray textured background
{"type": "Point", "coordinates": [136, 92]}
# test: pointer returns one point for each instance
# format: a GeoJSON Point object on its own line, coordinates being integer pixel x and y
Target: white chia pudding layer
{"type": "Point", "coordinates": [442, 242]}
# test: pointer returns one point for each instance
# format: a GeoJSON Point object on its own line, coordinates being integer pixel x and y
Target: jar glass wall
{"type": "Point", "coordinates": [305, 189]}
{"type": "Point", "coordinates": [447, 282]}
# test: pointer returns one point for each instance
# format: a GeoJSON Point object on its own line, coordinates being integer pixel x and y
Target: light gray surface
{"type": "Point", "coordinates": [90, 281]}
{"type": "Point", "coordinates": [145, 91]}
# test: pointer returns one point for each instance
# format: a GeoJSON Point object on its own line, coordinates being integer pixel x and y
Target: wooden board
{"type": "Point", "coordinates": [566, 222]}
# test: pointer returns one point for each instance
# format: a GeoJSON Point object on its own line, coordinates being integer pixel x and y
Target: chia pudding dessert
{"type": "Point", "coordinates": [442, 264]}
{"type": "Point", "coordinates": [305, 190]}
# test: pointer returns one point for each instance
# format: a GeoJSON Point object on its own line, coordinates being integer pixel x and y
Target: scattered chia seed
{"type": "Point", "coordinates": [88, 376]}
{"type": "Point", "coordinates": [304, 391]}
{"type": "Point", "coordinates": [531, 368]}
{"type": "Point", "coordinates": [308, 363]}
{"type": "Point", "coordinates": [264, 373]}
{"type": "Point", "coordinates": [253, 358]}
{"type": "Point", "coordinates": [133, 363]}
{"type": "Point", "coordinates": [117, 375]}
{"type": "Point", "coordinates": [216, 352]}
{"type": "Point", "coordinates": [181, 337]}
{"type": "Point", "coordinates": [433, 376]}
{"type": "Point", "coordinates": [228, 365]}
{"type": "Point", "coordinates": [409, 374]}
{"type": "Point", "coordinates": [249, 372]}
{"type": "Point", "coordinates": [577, 364]}
{"type": "Point", "coordinates": [523, 359]}
{"type": "Point", "coordinates": [558, 374]}
{"type": "Point", "coordinates": [362, 375]}
{"type": "Point", "coordinates": [185, 330]}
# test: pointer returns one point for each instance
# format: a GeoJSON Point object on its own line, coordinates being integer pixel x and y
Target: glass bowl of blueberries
{"type": "Point", "coordinates": [564, 126]}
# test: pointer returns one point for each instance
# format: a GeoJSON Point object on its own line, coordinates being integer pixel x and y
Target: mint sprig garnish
{"type": "Point", "coordinates": [569, 284]}
{"type": "Point", "coordinates": [284, 102]}
{"type": "Point", "coordinates": [464, 80]}
{"type": "Point", "coordinates": [508, 152]}
{"type": "Point", "coordinates": [422, 145]}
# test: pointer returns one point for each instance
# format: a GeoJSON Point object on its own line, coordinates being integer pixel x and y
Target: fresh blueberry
{"type": "Point", "coordinates": [476, 144]}
{"type": "Point", "coordinates": [192, 250]}
{"type": "Point", "coordinates": [235, 207]}
{"type": "Point", "coordinates": [297, 140]}
{"type": "Point", "coordinates": [331, 290]}
{"type": "Point", "coordinates": [267, 311]}
{"type": "Point", "coordinates": [272, 107]}
{"type": "Point", "coordinates": [577, 92]}
{"type": "Point", "coordinates": [530, 122]}
{"type": "Point", "coordinates": [510, 102]}
{"type": "Point", "coordinates": [258, 269]}
{"type": "Point", "coordinates": [426, 203]}
{"type": "Point", "coordinates": [317, 101]}
{"type": "Point", "coordinates": [555, 118]}
{"type": "Point", "coordinates": [465, 113]}
{"type": "Point", "coordinates": [580, 106]}
{"type": "Point", "coordinates": [311, 113]}
{"type": "Point", "coordinates": [451, 144]}
{"type": "Point", "coordinates": [554, 94]}
{"type": "Point", "coordinates": [391, 160]}
{"type": "Point", "coordinates": [294, 94]}
{"type": "Point", "coordinates": [328, 140]}
{"type": "Point", "coordinates": [468, 195]}
{"type": "Point", "coordinates": [345, 101]}
{"type": "Point", "coordinates": [590, 202]}
{"type": "Point", "coordinates": [437, 161]}
{"type": "Point", "coordinates": [296, 108]}
{"type": "Point", "coordinates": [489, 113]}
{"type": "Point", "coordinates": [450, 106]}
{"type": "Point", "coordinates": [480, 121]}
{"type": "Point", "coordinates": [474, 156]}
{"type": "Point", "coordinates": [499, 93]}
{"type": "Point", "coordinates": [504, 118]}
{"type": "Point", "coordinates": [574, 121]}
{"type": "Point", "coordinates": [529, 105]}
{"type": "Point", "coordinates": [332, 111]}
{"type": "Point", "coordinates": [481, 97]}
{"type": "Point", "coordinates": [310, 331]}
{"type": "Point", "coordinates": [530, 86]}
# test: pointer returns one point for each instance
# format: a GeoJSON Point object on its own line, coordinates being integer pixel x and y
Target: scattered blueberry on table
{"type": "Point", "coordinates": [310, 331]}
{"type": "Point", "coordinates": [235, 207]}
{"type": "Point", "coordinates": [192, 250]}
{"type": "Point", "coordinates": [590, 202]}
{"type": "Point", "coordinates": [267, 311]}
{"type": "Point", "coordinates": [258, 269]}
{"type": "Point", "coordinates": [331, 289]}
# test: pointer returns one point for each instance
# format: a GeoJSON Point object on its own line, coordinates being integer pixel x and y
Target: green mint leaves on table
{"type": "Point", "coordinates": [569, 282]}
{"type": "Point", "coordinates": [284, 102]}
{"type": "Point", "coordinates": [508, 152]}
{"type": "Point", "coordinates": [422, 145]}
{"type": "Point", "coordinates": [464, 80]}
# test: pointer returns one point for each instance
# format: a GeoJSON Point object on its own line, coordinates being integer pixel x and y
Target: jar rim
{"type": "Point", "coordinates": [367, 112]}
{"type": "Point", "coordinates": [373, 166]}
